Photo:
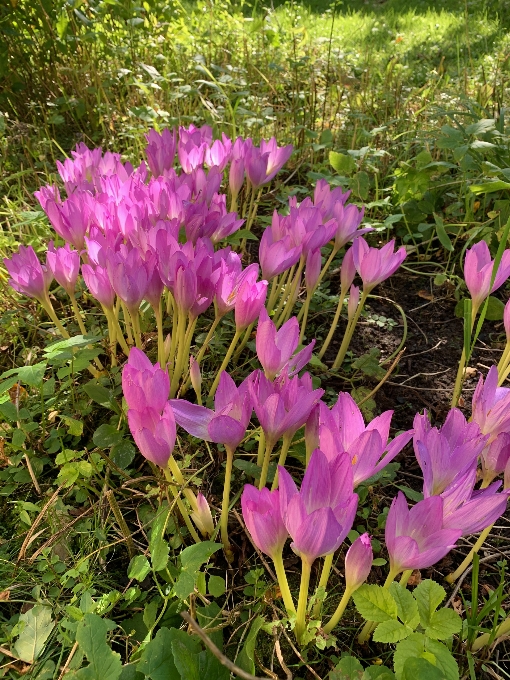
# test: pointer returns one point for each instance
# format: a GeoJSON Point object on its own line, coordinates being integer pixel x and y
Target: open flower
{"type": "Point", "coordinates": [143, 384]}
{"type": "Point", "coordinates": [154, 433]}
{"type": "Point", "coordinates": [376, 264]}
{"type": "Point", "coordinates": [319, 516]}
{"type": "Point", "coordinates": [27, 274]}
{"type": "Point", "coordinates": [261, 513]}
{"type": "Point", "coordinates": [478, 267]}
{"type": "Point", "coordinates": [275, 348]}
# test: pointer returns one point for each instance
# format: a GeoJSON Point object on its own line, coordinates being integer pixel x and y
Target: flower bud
{"type": "Point", "coordinates": [352, 305]}
{"type": "Point", "coordinates": [358, 562]}
{"type": "Point", "coordinates": [202, 516]}
{"type": "Point", "coordinates": [195, 377]}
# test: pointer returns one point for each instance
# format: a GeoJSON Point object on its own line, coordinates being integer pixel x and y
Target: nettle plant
{"type": "Point", "coordinates": [154, 247]}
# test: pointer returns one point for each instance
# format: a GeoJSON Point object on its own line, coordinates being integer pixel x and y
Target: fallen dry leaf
{"type": "Point", "coordinates": [4, 595]}
{"type": "Point", "coordinates": [470, 372]}
{"type": "Point", "coordinates": [415, 578]}
{"type": "Point", "coordinates": [425, 295]}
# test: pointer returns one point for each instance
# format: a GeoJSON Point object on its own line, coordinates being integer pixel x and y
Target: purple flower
{"type": "Point", "coordinates": [276, 254]}
{"type": "Point", "coordinates": [27, 274]}
{"type": "Point", "coordinates": [282, 406]}
{"type": "Point", "coordinates": [491, 405]}
{"type": "Point", "coordinates": [227, 423]}
{"type": "Point", "coordinates": [375, 265]}
{"type": "Point", "coordinates": [495, 457]}
{"type": "Point", "coordinates": [231, 276]}
{"type": "Point", "coordinates": [65, 266]}
{"type": "Point", "coordinates": [326, 199]}
{"type": "Point", "coordinates": [343, 429]}
{"type": "Point", "coordinates": [98, 283]}
{"type": "Point", "coordinates": [263, 163]}
{"type": "Point", "coordinates": [129, 275]}
{"type": "Point", "coordinates": [472, 511]}
{"type": "Point", "coordinates": [143, 384]}
{"type": "Point", "coordinates": [478, 267]}
{"type": "Point", "coordinates": [358, 562]}
{"type": "Point", "coordinates": [218, 155]}
{"type": "Point", "coordinates": [275, 348]}
{"type": "Point", "coordinates": [154, 433]}
{"type": "Point", "coordinates": [415, 538]}
{"type": "Point", "coordinates": [71, 218]}
{"type": "Point", "coordinates": [348, 218]}
{"type": "Point", "coordinates": [446, 453]}
{"type": "Point", "coordinates": [249, 302]}
{"type": "Point", "coordinates": [160, 150]}
{"type": "Point", "coordinates": [320, 515]}
{"type": "Point", "coordinates": [312, 269]}
{"type": "Point", "coordinates": [261, 513]}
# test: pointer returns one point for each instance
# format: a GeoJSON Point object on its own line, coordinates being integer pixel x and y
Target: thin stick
{"type": "Point", "coordinates": [224, 660]}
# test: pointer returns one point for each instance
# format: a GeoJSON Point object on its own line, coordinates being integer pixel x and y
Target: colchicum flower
{"type": "Point", "coordinates": [478, 266]}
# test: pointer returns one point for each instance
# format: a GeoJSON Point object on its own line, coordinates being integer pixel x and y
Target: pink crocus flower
{"type": "Point", "coordinates": [251, 297]}
{"type": "Point", "coordinates": [506, 321]}
{"type": "Point", "coordinates": [375, 265]}
{"type": "Point", "coordinates": [98, 283]}
{"type": "Point", "coordinates": [154, 433]}
{"type": "Point", "coordinates": [72, 218]}
{"type": "Point", "coordinates": [478, 266]}
{"type": "Point", "coordinates": [445, 453]}
{"type": "Point", "coordinates": [227, 423]}
{"type": "Point", "coordinates": [312, 269]}
{"type": "Point", "coordinates": [28, 275]}
{"type": "Point", "coordinates": [415, 538]}
{"type": "Point", "coordinates": [65, 266]}
{"type": "Point", "coordinates": [277, 254]}
{"type": "Point", "coordinates": [143, 384]}
{"type": "Point", "coordinates": [491, 405]}
{"type": "Point", "coordinates": [160, 150]}
{"type": "Point", "coordinates": [495, 457]}
{"type": "Point", "coordinates": [218, 154]}
{"type": "Point", "coordinates": [262, 516]}
{"type": "Point", "coordinates": [275, 349]}
{"type": "Point", "coordinates": [263, 163]}
{"type": "Point", "coordinates": [129, 275]}
{"type": "Point", "coordinates": [326, 199]}
{"type": "Point", "coordinates": [469, 510]}
{"type": "Point", "coordinates": [319, 516]}
{"type": "Point", "coordinates": [358, 562]}
{"type": "Point", "coordinates": [348, 218]}
{"type": "Point", "coordinates": [343, 429]}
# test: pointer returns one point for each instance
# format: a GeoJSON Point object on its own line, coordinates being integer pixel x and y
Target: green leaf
{"type": "Point", "coordinates": [495, 309]}
{"type": "Point", "coordinates": [407, 609]}
{"type": "Point", "coordinates": [216, 586]}
{"type": "Point", "coordinates": [428, 595]}
{"type": "Point", "coordinates": [245, 658]}
{"type": "Point", "coordinates": [192, 558]}
{"type": "Point", "coordinates": [77, 341]}
{"type": "Point", "coordinates": [97, 393]}
{"type": "Point", "coordinates": [106, 436]}
{"type": "Point", "coordinates": [157, 659]}
{"type": "Point", "coordinates": [123, 453]}
{"type": "Point", "coordinates": [378, 672]}
{"type": "Point", "coordinates": [348, 668]}
{"type": "Point", "coordinates": [481, 126]}
{"type": "Point", "coordinates": [248, 467]}
{"type": "Point", "coordinates": [421, 669]}
{"type": "Point", "coordinates": [185, 661]}
{"type": "Point", "coordinates": [36, 630]}
{"type": "Point", "coordinates": [91, 637]}
{"type": "Point", "coordinates": [418, 645]}
{"type": "Point", "coordinates": [158, 547]}
{"type": "Point", "coordinates": [441, 233]}
{"type": "Point", "coordinates": [391, 632]}
{"type": "Point", "coordinates": [360, 185]}
{"type": "Point", "coordinates": [139, 567]}
{"type": "Point", "coordinates": [489, 187]}
{"type": "Point", "coordinates": [375, 603]}
{"type": "Point", "coordinates": [74, 427]}
{"type": "Point", "coordinates": [343, 164]}
{"type": "Point", "coordinates": [410, 493]}
{"type": "Point", "coordinates": [443, 624]}
{"type": "Point", "coordinates": [369, 364]}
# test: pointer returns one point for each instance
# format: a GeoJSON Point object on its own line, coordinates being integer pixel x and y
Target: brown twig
{"type": "Point", "coordinates": [299, 656]}
{"type": "Point", "coordinates": [281, 660]}
{"type": "Point", "coordinates": [35, 524]}
{"type": "Point", "coordinates": [224, 660]}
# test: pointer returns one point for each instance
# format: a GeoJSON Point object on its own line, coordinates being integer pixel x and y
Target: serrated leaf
{"type": "Point", "coordinates": [246, 659]}
{"type": "Point", "coordinates": [443, 624]}
{"type": "Point", "coordinates": [421, 669]}
{"type": "Point", "coordinates": [418, 645]}
{"type": "Point", "coordinates": [91, 637]}
{"type": "Point", "coordinates": [369, 364]}
{"type": "Point", "coordinates": [185, 661]}
{"type": "Point", "coordinates": [139, 567]}
{"type": "Point", "coordinates": [407, 609]}
{"type": "Point", "coordinates": [375, 603]}
{"type": "Point", "coordinates": [391, 632]}
{"type": "Point", "coordinates": [37, 628]}
{"type": "Point", "coordinates": [428, 595]}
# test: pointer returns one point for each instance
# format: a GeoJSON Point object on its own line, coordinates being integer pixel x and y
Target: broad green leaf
{"type": "Point", "coordinates": [76, 341]}
{"type": "Point", "coordinates": [157, 659]}
{"type": "Point", "coordinates": [348, 668]}
{"type": "Point", "coordinates": [407, 609]}
{"type": "Point", "coordinates": [130, 672]}
{"type": "Point", "coordinates": [158, 547]}
{"type": "Point", "coordinates": [375, 603]}
{"type": "Point", "coordinates": [245, 658]}
{"type": "Point", "coordinates": [74, 427]}
{"type": "Point", "coordinates": [481, 126]}
{"type": "Point", "coordinates": [418, 645]}
{"type": "Point", "coordinates": [421, 669]}
{"type": "Point", "coordinates": [185, 661]}
{"type": "Point", "coordinates": [210, 617]}
{"type": "Point", "coordinates": [441, 233]}
{"type": "Point", "coordinates": [97, 393]}
{"type": "Point", "coordinates": [192, 558]}
{"type": "Point", "coordinates": [106, 436]}
{"type": "Point", "coordinates": [37, 629]}
{"type": "Point", "coordinates": [391, 632]}
{"type": "Point", "coordinates": [495, 309]}
{"type": "Point", "coordinates": [211, 668]}
{"type": "Point", "coordinates": [489, 187]}
{"type": "Point", "coordinates": [428, 595]}
{"type": "Point", "coordinates": [343, 164]}
{"type": "Point", "coordinates": [91, 637]}
{"type": "Point", "coordinates": [443, 624]}
{"type": "Point", "coordinates": [123, 453]}
{"type": "Point", "coordinates": [139, 567]}
{"type": "Point", "coordinates": [216, 586]}
{"type": "Point", "coordinates": [360, 185]}
{"type": "Point", "coordinates": [378, 673]}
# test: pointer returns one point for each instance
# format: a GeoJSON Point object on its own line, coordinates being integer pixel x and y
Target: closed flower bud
{"type": "Point", "coordinates": [202, 516]}
{"type": "Point", "coordinates": [358, 562]}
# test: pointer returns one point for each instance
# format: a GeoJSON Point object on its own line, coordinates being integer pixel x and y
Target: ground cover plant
{"type": "Point", "coordinates": [198, 337]}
